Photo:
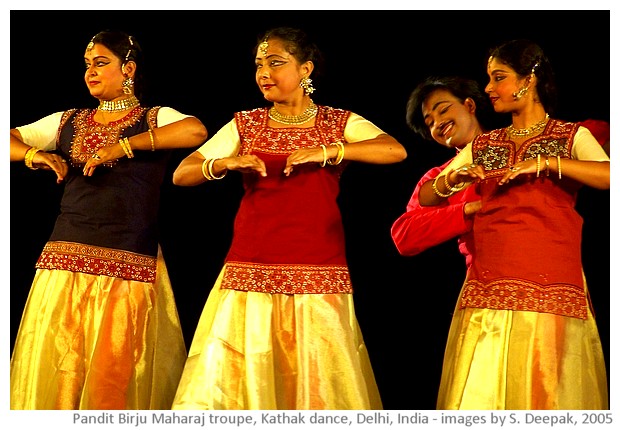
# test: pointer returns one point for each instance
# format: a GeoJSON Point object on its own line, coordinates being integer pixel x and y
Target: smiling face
{"type": "Point", "coordinates": [278, 72]}
{"type": "Point", "coordinates": [504, 82]}
{"type": "Point", "coordinates": [104, 77]}
{"type": "Point", "coordinates": [451, 122]}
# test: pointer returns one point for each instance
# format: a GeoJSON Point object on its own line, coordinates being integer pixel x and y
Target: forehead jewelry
{"type": "Point", "coordinates": [90, 45]}
{"type": "Point", "coordinates": [264, 45]}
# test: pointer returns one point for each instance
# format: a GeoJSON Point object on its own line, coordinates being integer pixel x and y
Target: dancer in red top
{"type": "Point", "coordinates": [279, 329]}
{"type": "Point", "coordinates": [523, 335]}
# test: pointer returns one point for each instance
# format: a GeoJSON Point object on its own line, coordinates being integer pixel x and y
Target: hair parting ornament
{"type": "Point", "coordinates": [264, 45]}
{"type": "Point", "coordinates": [90, 45]}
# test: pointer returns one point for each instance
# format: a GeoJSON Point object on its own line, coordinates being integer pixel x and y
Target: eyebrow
{"type": "Point", "coordinates": [273, 55]}
{"type": "Point", "coordinates": [436, 105]}
{"type": "Point", "coordinates": [98, 57]}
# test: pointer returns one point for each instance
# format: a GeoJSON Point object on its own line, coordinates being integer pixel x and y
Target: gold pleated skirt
{"type": "Point", "coordinates": [265, 351]}
{"type": "Point", "coordinates": [517, 360]}
{"type": "Point", "coordinates": [97, 342]}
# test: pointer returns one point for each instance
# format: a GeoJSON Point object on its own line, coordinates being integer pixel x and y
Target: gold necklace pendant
{"type": "Point", "coordinates": [119, 105]}
{"type": "Point", "coordinates": [527, 132]}
{"type": "Point", "coordinates": [305, 116]}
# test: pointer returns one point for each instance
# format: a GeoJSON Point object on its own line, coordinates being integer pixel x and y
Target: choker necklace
{"type": "Point", "coordinates": [304, 117]}
{"type": "Point", "coordinates": [527, 132]}
{"type": "Point", "coordinates": [119, 105]}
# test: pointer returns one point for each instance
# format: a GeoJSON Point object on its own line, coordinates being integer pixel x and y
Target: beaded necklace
{"type": "Point", "coordinates": [527, 132]}
{"type": "Point", "coordinates": [119, 105]}
{"type": "Point", "coordinates": [304, 117]}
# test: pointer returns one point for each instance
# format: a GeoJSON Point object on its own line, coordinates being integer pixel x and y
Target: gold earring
{"type": "Point", "coordinates": [128, 86]}
{"type": "Point", "coordinates": [517, 95]}
{"type": "Point", "coordinates": [306, 84]}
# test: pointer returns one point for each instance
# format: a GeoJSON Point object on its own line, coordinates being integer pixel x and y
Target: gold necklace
{"type": "Point", "coordinates": [119, 105]}
{"type": "Point", "coordinates": [527, 132]}
{"type": "Point", "coordinates": [304, 117]}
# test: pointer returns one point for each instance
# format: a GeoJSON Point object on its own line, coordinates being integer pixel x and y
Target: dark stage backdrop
{"type": "Point", "coordinates": [200, 62]}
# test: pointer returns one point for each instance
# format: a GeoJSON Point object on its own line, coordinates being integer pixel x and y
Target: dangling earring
{"type": "Point", "coordinates": [128, 82]}
{"type": "Point", "coordinates": [128, 86]}
{"type": "Point", "coordinates": [517, 95]}
{"type": "Point", "coordinates": [520, 93]}
{"type": "Point", "coordinates": [306, 84]}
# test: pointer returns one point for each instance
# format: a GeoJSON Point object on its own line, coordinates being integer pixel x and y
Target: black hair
{"type": "Point", "coordinates": [298, 44]}
{"type": "Point", "coordinates": [461, 88]}
{"type": "Point", "coordinates": [126, 48]}
{"type": "Point", "coordinates": [526, 57]}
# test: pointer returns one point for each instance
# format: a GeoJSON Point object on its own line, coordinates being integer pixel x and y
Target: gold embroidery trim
{"type": "Point", "coordinates": [287, 278]}
{"type": "Point", "coordinates": [97, 260]}
{"type": "Point", "coordinates": [517, 295]}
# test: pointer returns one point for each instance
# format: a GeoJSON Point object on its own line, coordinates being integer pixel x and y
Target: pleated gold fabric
{"type": "Point", "coordinates": [97, 342]}
{"type": "Point", "coordinates": [502, 359]}
{"type": "Point", "coordinates": [277, 351]}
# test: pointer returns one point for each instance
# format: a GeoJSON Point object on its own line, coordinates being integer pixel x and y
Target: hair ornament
{"type": "Point", "coordinates": [129, 50]}
{"type": "Point", "coordinates": [91, 44]}
{"type": "Point", "coordinates": [264, 45]}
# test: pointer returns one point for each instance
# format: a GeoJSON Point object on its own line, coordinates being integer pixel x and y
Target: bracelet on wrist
{"type": "Point", "coordinates": [29, 156]}
{"type": "Point", "coordinates": [436, 189]}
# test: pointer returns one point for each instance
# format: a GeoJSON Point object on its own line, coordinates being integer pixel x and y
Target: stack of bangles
{"type": "Point", "coordinates": [339, 155]}
{"type": "Point", "coordinates": [28, 157]}
{"type": "Point", "coordinates": [547, 166]}
{"type": "Point", "coordinates": [207, 170]}
{"type": "Point", "coordinates": [451, 189]}
{"type": "Point", "coordinates": [124, 142]}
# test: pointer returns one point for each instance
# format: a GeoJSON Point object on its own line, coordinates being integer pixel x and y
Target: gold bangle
{"type": "Point", "coordinates": [205, 173]}
{"type": "Point", "coordinates": [29, 156]}
{"type": "Point", "coordinates": [152, 139]}
{"type": "Point", "coordinates": [537, 165]}
{"type": "Point", "coordinates": [124, 142]}
{"type": "Point", "coordinates": [439, 193]}
{"type": "Point", "coordinates": [339, 156]}
{"type": "Point", "coordinates": [128, 145]}
{"type": "Point", "coordinates": [559, 167]}
{"type": "Point", "coordinates": [450, 188]}
{"type": "Point", "coordinates": [210, 170]}
{"type": "Point", "coordinates": [324, 148]}
{"type": "Point", "coordinates": [547, 165]}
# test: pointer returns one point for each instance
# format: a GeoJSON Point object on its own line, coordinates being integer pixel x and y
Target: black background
{"type": "Point", "coordinates": [200, 62]}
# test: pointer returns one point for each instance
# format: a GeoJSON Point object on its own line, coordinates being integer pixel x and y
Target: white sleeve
{"type": "Point", "coordinates": [586, 147]}
{"type": "Point", "coordinates": [358, 128]}
{"type": "Point", "coordinates": [225, 143]}
{"type": "Point", "coordinates": [42, 133]}
{"type": "Point", "coordinates": [463, 158]}
{"type": "Point", "coordinates": [167, 115]}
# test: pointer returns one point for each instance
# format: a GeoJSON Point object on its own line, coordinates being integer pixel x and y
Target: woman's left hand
{"type": "Point", "coordinates": [527, 166]}
{"type": "Point", "coordinates": [303, 156]}
{"type": "Point", "coordinates": [104, 154]}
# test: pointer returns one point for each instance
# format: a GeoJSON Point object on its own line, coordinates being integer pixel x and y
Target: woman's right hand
{"type": "Point", "coordinates": [244, 164]}
{"type": "Point", "coordinates": [468, 173]}
{"type": "Point", "coordinates": [49, 161]}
